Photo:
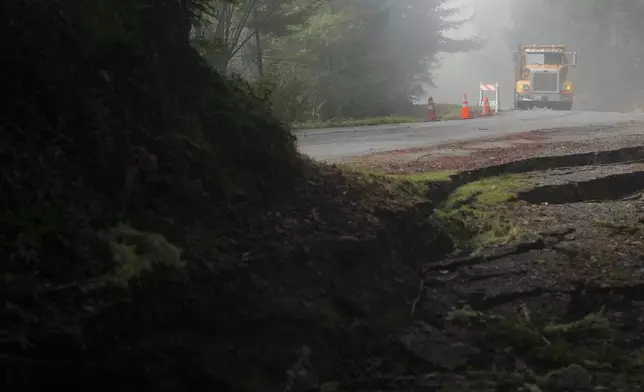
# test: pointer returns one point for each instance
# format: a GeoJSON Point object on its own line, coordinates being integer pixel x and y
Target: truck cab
{"type": "Point", "coordinates": [541, 77]}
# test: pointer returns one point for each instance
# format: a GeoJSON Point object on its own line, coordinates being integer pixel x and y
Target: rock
{"type": "Point", "coordinates": [429, 344]}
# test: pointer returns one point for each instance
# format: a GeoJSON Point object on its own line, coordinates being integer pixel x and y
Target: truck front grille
{"type": "Point", "coordinates": [546, 82]}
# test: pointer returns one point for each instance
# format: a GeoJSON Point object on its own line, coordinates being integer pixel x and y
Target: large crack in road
{"type": "Point", "coordinates": [558, 308]}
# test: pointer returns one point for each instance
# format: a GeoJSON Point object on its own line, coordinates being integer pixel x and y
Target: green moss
{"type": "Point", "coordinates": [476, 213]}
{"type": "Point", "coordinates": [488, 192]}
{"type": "Point", "coordinates": [135, 252]}
{"type": "Point", "coordinates": [350, 122]}
{"type": "Point", "coordinates": [466, 314]}
{"type": "Point", "coordinates": [414, 185]}
{"type": "Point", "coordinates": [444, 112]}
{"type": "Point", "coordinates": [425, 177]}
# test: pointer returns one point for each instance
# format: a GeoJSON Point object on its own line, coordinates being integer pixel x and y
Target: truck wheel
{"type": "Point", "coordinates": [518, 105]}
{"type": "Point", "coordinates": [561, 106]}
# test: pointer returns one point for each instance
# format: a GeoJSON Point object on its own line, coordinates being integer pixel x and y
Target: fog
{"type": "Point", "coordinates": [462, 72]}
{"type": "Point", "coordinates": [606, 34]}
{"type": "Point", "coordinates": [358, 58]}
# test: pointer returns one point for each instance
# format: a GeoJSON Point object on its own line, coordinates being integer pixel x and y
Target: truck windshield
{"type": "Point", "coordinates": [544, 58]}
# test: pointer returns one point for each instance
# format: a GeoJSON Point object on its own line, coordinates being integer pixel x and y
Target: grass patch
{"type": "Point", "coordinates": [419, 114]}
{"type": "Point", "coordinates": [350, 122]}
{"type": "Point", "coordinates": [425, 177]}
{"type": "Point", "coordinates": [452, 113]}
{"type": "Point", "coordinates": [135, 252]}
{"type": "Point", "coordinates": [418, 183]}
{"type": "Point", "coordinates": [547, 346]}
{"type": "Point", "coordinates": [476, 213]}
{"type": "Point", "coordinates": [489, 192]}
{"type": "Point", "coordinates": [415, 185]}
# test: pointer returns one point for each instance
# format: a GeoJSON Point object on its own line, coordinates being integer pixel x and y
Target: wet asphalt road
{"type": "Point", "coordinates": [337, 144]}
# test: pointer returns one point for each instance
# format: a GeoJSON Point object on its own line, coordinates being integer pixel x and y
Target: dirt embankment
{"type": "Point", "coordinates": [158, 230]}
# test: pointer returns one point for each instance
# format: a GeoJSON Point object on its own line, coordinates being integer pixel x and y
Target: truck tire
{"type": "Point", "coordinates": [562, 106]}
{"type": "Point", "coordinates": [518, 105]}
{"type": "Point", "coordinates": [523, 105]}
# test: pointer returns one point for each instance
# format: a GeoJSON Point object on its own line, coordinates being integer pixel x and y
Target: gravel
{"type": "Point", "coordinates": [466, 155]}
{"type": "Point", "coordinates": [585, 173]}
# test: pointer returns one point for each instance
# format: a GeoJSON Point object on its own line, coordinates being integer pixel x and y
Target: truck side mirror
{"type": "Point", "coordinates": [574, 59]}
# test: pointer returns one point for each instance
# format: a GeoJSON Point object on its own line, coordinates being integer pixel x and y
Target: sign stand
{"type": "Point", "coordinates": [484, 87]}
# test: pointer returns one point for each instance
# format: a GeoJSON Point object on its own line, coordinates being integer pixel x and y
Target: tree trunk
{"type": "Point", "coordinates": [260, 62]}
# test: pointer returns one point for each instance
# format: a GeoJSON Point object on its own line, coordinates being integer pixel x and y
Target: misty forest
{"type": "Point", "coordinates": [324, 60]}
{"type": "Point", "coordinates": [160, 230]}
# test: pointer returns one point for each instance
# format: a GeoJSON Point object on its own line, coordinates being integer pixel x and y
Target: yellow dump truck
{"type": "Point", "coordinates": [541, 77]}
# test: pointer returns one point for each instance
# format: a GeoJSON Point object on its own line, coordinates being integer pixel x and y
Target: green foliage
{"type": "Point", "coordinates": [535, 338]}
{"type": "Point", "coordinates": [488, 192]}
{"type": "Point", "coordinates": [227, 28]}
{"type": "Point", "coordinates": [426, 177]}
{"type": "Point", "coordinates": [135, 252]}
{"type": "Point", "coordinates": [361, 59]}
{"type": "Point", "coordinates": [349, 122]}
{"type": "Point", "coordinates": [327, 60]}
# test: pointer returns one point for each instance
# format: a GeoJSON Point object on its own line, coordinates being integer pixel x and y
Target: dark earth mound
{"type": "Point", "coordinates": [159, 231]}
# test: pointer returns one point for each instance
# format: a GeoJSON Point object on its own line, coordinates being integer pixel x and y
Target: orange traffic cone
{"type": "Point", "coordinates": [431, 110]}
{"type": "Point", "coordinates": [465, 109]}
{"type": "Point", "coordinates": [486, 108]}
